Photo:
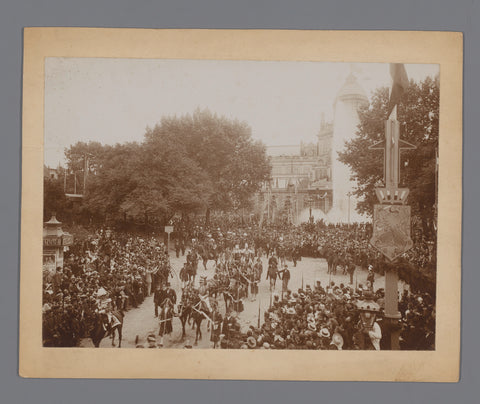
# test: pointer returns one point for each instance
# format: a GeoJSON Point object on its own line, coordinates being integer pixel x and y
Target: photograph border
{"type": "Point", "coordinates": [443, 48]}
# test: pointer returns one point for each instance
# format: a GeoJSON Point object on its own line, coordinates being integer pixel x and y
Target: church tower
{"type": "Point", "coordinates": [349, 99]}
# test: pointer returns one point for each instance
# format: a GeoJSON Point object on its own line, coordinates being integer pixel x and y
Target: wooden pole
{"type": "Point", "coordinates": [258, 325]}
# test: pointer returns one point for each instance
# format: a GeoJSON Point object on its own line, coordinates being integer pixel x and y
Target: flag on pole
{"type": "Point", "coordinates": [399, 85]}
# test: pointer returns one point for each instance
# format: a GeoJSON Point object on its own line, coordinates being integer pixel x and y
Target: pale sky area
{"type": "Point", "coordinates": [114, 100]}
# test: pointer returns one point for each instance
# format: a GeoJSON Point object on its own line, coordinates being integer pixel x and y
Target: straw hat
{"type": "Point", "coordinates": [251, 342]}
{"type": "Point", "coordinates": [324, 333]}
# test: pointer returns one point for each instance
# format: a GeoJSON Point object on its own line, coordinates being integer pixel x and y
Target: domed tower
{"type": "Point", "coordinates": [349, 99]}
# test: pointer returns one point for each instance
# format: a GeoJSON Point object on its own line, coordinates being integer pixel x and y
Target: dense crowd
{"type": "Point", "coordinates": [329, 319]}
{"type": "Point", "coordinates": [110, 271]}
{"type": "Point", "coordinates": [104, 272]}
{"type": "Point", "coordinates": [350, 243]}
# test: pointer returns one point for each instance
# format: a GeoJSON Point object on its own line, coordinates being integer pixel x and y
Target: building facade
{"type": "Point", "coordinates": [301, 186]}
{"type": "Point", "coordinates": [308, 181]}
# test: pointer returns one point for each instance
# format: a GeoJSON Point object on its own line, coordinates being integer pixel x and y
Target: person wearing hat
{"type": "Point", "coordinates": [177, 246]}
{"type": "Point", "coordinates": [272, 272]}
{"type": "Point", "coordinates": [257, 276]}
{"type": "Point", "coordinates": [184, 275]}
{"type": "Point", "coordinates": [350, 270]}
{"type": "Point", "coordinates": [285, 273]}
{"type": "Point", "coordinates": [216, 325]}
{"type": "Point", "coordinates": [151, 340]}
{"type": "Point", "coordinates": [337, 342]}
{"type": "Point", "coordinates": [319, 288]}
{"type": "Point", "coordinates": [229, 326]}
{"type": "Point", "coordinates": [251, 342]}
{"type": "Point", "coordinates": [170, 293]}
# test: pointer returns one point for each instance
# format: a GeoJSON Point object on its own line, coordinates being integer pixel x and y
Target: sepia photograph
{"type": "Point", "coordinates": [240, 204]}
{"type": "Point", "coordinates": [215, 205]}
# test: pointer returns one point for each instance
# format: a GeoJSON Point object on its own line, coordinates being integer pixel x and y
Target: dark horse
{"type": "Point", "coordinates": [192, 308]}
{"type": "Point", "coordinates": [103, 327]}
{"type": "Point", "coordinates": [333, 262]}
{"type": "Point", "coordinates": [207, 253]}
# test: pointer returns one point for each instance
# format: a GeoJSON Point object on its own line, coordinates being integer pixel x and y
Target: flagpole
{"type": "Point", "coordinates": [258, 325]}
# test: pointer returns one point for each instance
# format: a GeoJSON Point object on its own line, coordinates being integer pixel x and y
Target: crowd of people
{"type": "Point", "coordinates": [105, 272]}
{"type": "Point", "coordinates": [350, 244]}
{"type": "Point", "coordinates": [331, 318]}
{"type": "Point", "coordinates": [110, 271]}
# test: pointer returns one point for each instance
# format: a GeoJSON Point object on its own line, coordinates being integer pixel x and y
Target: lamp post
{"type": "Point", "coordinates": [368, 312]}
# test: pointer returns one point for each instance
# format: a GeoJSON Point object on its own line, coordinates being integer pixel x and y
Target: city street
{"type": "Point", "coordinates": [140, 321]}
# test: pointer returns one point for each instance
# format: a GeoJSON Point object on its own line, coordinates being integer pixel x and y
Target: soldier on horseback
{"type": "Point", "coordinates": [184, 276]}
{"type": "Point", "coordinates": [192, 264]}
{"type": "Point", "coordinates": [204, 295]}
{"type": "Point", "coordinates": [272, 272]}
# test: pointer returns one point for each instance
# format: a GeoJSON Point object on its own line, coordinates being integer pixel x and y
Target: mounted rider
{"type": "Point", "coordinates": [204, 295]}
{"type": "Point", "coordinates": [272, 271]}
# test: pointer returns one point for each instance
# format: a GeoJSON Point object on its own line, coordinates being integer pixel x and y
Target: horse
{"type": "Point", "coordinates": [191, 272]}
{"type": "Point", "coordinates": [343, 262]}
{"type": "Point", "coordinates": [165, 319]}
{"type": "Point", "coordinates": [103, 326]}
{"type": "Point", "coordinates": [192, 308]}
{"type": "Point", "coordinates": [184, 275]}
{"type": "Point", "coordinates": [208, 253]}
{"type": "Point", "coordinates": [332, 260]}
{"type": "Point", "coordinates": [216, 285]}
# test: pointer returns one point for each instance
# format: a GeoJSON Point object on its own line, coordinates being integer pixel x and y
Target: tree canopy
{"type": "Point", "coordinates": [418, 114]}
{"type": "Point", "coordinates": [190, 163]}
{"type": "Point", "coordinates": [233, 163]}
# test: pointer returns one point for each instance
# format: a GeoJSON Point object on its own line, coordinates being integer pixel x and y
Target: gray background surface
{"type": "Point", "coordinates": [453, 15]}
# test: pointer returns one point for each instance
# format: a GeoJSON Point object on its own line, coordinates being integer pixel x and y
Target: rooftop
{"type": "Point", "coordinates": [352, 89]}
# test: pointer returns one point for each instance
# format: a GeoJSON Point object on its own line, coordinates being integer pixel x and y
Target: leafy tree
{"type": "Point", "coordinates": [418, 114]}
{"type": "Point", "coordinates": [193, 163]}
{"type": "Point", "coordinates": [94, 152]}
{"type": "Point", "coordinates": [111, 181]}
{"type": "Point", "coordinates": [54, 201]}
{"type": "Point", "coordinates": [223, 150]}
{"type": "Point", "coordinates": [166, 181]}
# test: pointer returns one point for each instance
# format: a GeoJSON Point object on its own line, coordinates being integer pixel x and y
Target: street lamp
{"type": "Point", "coordinates": [368, 311]}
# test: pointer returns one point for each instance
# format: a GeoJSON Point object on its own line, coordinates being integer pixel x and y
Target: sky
{"type": "Point", "coordinates": [115, 100]}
